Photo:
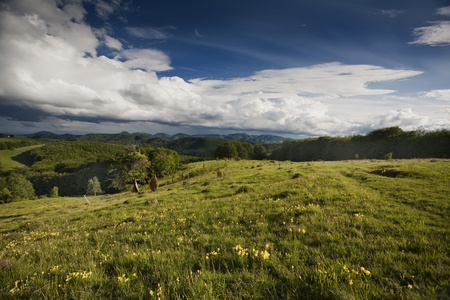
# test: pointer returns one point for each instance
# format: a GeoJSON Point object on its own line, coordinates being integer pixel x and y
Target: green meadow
{"type": "Point", "coordinates": [227, 229]}
{"type": "Point", "coordinates": [10, 159]}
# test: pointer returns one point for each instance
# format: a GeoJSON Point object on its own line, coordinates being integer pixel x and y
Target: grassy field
{"type": "Point", "coordinates": [241, 230]}
{"type": "Point", "coordinates": [6, 156]}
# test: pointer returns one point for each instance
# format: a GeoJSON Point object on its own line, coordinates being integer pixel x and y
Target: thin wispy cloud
{"type": "Point", "coordinates": [443, 95]}
{"type": "Point", "coordinates": [444, 11]}
{"type": "Point", "coordinates": [150, 33]}
{"type": "Point", "coordinates": [437, 34]}
{"type": "Point", "coordinates": [105, 9]}
{"type": "Point", "coordinates": [197, 33]}
{"type": "Point", "coordinates": [392, 13]}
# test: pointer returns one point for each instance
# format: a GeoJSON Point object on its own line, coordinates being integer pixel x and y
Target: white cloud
{"type": "Point", "coordinates": [437, 34]}
{"type": "Point", "coordinates": [404, 118]}
{"type": "Point", "coordinates": [146, 59]}
{"type": "Point", "coordinates": [331, 80]}
{"type": "Point", "coordinates": [443, 95]}
{"type": "Point", "coordinates": [444, 11]}
{"type": "Point", "coordinates": [107, 40]}
{"type": "Point", "coordinates": [43, 66]}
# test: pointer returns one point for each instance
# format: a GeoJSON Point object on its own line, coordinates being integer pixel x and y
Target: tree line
{"type": "Point", "coordinates": [390, 142]}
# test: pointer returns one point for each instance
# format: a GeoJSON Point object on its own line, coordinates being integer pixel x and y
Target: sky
{"type": "Point", "coordinates": [295, 68]}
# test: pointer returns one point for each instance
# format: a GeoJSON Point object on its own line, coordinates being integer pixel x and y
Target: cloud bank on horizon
{"type": "Point", "coordinates": [67, 66]}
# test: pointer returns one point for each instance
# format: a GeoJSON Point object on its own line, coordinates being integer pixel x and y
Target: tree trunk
{"type": "Point", "coordinates": [136, 187]}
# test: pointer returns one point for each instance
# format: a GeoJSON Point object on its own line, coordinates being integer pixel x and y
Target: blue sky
{"type": "Point", "coordinates": [293, 67]}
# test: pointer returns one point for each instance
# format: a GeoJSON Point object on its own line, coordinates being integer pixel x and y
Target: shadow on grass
{"type": "Point", "coordinates": [24, 158]}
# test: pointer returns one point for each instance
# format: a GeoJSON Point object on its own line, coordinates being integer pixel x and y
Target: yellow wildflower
{"type": "Point", "coordinates": [265, 254]}
{"type": "Point", "coordinates": [367, 272]}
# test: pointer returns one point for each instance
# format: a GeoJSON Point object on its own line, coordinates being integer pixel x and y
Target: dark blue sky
{"type": "Point", "coordinates": [293, 67]}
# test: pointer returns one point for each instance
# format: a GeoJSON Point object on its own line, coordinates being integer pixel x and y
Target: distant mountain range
{"type": "Point", "coordinates": [189, 145]}
{"type": "Point", "coordinates": [125, 136]}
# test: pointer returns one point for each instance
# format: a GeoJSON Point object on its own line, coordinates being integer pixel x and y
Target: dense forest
{"type": "Point", "coordinates": [391, 142]}
{"type": "Point", "coordinates": [8, 142]}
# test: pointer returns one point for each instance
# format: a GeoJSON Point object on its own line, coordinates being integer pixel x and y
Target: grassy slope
{"type": "Point", "coordinates": [336, 230]}
{"type": "Point", "coordinates": [6, 156]}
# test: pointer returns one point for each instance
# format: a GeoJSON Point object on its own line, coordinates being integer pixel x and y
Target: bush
{"type": "Point", "coordinates": [20, 187]}
{"type": "Point", "coordinates": [5, 196]}
{"type": "Point", "coordinates": [54, 192]}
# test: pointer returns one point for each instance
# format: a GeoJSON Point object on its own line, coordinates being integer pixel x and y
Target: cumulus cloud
{"type": "Point", "coordinates": [44, 67]}
{"type": "Point", "coordinates": [107, 40]}
{"type": "Point", "coordinates": [404, 118]}
{"type": "Point", "coordinates": [437, 34]}
{"type": "Point", "coordinates": [443, 95]}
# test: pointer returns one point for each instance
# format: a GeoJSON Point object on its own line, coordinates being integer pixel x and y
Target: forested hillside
{"type": "Point", "coordinates": [69, 165]}
{"type": "Point", "coordinates": [8, 142]}
{"type": "Point", "coordinates": [65, 168]}
{"type": "Point", "coordinates": [383, 143]}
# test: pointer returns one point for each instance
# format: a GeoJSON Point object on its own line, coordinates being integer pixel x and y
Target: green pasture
{"type": "Point", "coordinates": [8, 157]}
{"type": "Point", "coordinates": [240, 230]}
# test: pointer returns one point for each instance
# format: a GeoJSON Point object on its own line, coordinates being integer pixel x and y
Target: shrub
{"type": "Point", "coordinates": [5, 196]}
{"type": "Point", "coordinates": [54, 192]}
{"type": "Point", "coordinates": [20, 187]}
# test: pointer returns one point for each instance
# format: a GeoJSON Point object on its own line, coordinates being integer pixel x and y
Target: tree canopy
{"type": "Point", "coordinates": [240, 150]}
{"type": "Point", "coordinates": [130, 167]}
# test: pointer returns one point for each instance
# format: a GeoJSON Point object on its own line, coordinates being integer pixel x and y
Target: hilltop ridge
{"type": "Point", "coordinates": [124, 135]}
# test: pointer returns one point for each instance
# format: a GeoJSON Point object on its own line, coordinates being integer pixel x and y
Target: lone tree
{"type": "Point", "coordinates": [93, 186]}
{"type": "Point", "coordinates": [162, 161]}
{"type": "Point", "coordinates": [227, 150]}
{"type": "Point", "coordinates": [153, 183]}
{"type": "Point", "coordinates": [130, 167]}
